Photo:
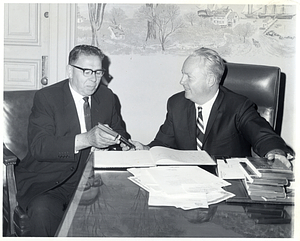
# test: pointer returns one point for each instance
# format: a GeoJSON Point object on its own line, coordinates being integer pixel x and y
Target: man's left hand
{"type": "Point", "coordinates": [279, 155]}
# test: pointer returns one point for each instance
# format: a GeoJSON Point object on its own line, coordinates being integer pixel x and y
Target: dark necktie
{"type": "Point", "coordinates": [87, 113]}
{"type": "Point", "coordinates": [200, 129]}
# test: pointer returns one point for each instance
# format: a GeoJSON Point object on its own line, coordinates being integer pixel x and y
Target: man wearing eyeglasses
{"type": "Point", "coordinates": [62, 130]}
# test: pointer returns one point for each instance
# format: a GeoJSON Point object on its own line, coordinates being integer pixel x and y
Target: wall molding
{"type": "Point", "coordinates": [21, 73]}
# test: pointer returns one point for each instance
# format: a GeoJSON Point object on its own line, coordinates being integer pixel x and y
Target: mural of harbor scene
{"type": "Point", "coordinates": [232, 30]}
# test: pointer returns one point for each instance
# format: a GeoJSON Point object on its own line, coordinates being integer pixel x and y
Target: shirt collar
{"type": "Point", "coordinates": [208, 104]}
{"type": "Point", "coordinates": [76, 96]}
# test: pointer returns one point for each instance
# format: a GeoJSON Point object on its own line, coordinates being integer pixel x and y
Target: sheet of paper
{"type": "Point", "coordinates": [172, 178]}
{"type": "Point", "coordinates": [114, 159]}
{"type": "Point", "coordinates": [230, 169]}
{"type": "Point", "coordinates": [168, 156]}
{"type": "Point", "coordinates": [218, 196]}
{"type": "Point", "coordinates": [214, 193]}
{"type": "Point", "coordinates": [180, 201]}
{"type": "Point", "coordinates": [138, 182]}
{"type": "Point", "coordinates": [201, 188]}
{"type": "Point", "coordinates": [142, 177]}
{"type": "Point", "coordinates": [185, 187]}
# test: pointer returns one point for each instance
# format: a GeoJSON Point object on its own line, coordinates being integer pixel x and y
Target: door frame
{"type": "Point", "coordinates": [63, 25]}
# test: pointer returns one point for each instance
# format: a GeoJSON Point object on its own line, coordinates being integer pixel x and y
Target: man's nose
{"type": "Point", "coordinates": [94, 77]}
{"type": "Point", "coordinates": [182, 80]}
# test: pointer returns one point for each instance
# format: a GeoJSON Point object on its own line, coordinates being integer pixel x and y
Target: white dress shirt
{"type": "Point", "coordinates": [206, 108]}
{"type": "Point", "coordinates": [78, 99]}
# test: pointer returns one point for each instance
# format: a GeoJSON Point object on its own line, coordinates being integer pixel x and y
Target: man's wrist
{"type": "Point", "coordinates": [81, 142]}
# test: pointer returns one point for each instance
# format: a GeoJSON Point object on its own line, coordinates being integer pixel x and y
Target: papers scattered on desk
{"type": "Point", "coordinates": [185, 187]}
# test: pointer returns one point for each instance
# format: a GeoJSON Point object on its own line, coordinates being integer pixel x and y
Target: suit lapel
{"type": "Point", "coordinates": [213, 114]}
{"type": "Point", "coordinates": [70, 109]}
{"type": "Point", "coordinates": [191, 120]}
{"type": "Point", "coordinates": [96, 109]}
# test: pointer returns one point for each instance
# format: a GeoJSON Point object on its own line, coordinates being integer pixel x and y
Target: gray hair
{"type": "Point", "coordinates": [212, 60]}
{"type": "Point", "coordinates": [87, 50]}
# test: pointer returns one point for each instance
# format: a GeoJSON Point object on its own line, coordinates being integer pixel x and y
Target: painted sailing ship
{"type": "Point", "coordinates": [251, 11]}
{"type": "Point", "coordinates": [264, 11]}
{"type": "Point", "coordinates": [283, 14]}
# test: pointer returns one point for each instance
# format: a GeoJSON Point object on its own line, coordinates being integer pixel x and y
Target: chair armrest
{"type": "Point", "coordinates": [9, 158]}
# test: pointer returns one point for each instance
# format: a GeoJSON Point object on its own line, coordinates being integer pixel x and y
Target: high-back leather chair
{"type": "Point", "coordinates": [261, 84]}
{"type": "Point", "coordinates": [17, 108]}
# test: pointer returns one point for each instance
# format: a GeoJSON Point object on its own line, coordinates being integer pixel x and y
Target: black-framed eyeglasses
{"type": "Point", "coordinates": [89, 72]}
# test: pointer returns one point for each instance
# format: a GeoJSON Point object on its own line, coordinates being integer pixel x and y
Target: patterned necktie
{"type": "Point", "coordinates": [87, 113]}
{"type": "Point", "coordinates": [200, 129]}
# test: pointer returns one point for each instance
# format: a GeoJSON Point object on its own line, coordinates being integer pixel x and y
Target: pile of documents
{"type": "Point", "coordinates": [264, 180]}
{"type": "Point", "coordinates": [185, 187]}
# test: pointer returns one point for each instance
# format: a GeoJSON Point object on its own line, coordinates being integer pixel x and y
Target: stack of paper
{"type": "Point", "coordinates": [265, 180]}
{"type": "Point", "coordinates": [185, 187]}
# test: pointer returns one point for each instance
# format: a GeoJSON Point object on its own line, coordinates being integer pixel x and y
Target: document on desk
{"type": "Point", "coordinates": [230, 169]}
{"type": "Point", "coordinates": [185, 187]}
{"type": "Point", "coordinates": [237, 168]}
{"type": "Point", "coordinates": [186, 202]}
{"type": "Point", "coordinates": [172, 178]}
{"type": "Point", "coordinates": [153, 157]}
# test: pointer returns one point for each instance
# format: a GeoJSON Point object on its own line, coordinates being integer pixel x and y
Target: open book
{"type": "Point", "coordinates": [155, 156]}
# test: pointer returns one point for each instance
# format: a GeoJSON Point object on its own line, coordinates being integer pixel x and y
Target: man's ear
{"type": "Point", "coordinates": [69, 71]}
{"type": "Point", "coordinates": [211, 80]}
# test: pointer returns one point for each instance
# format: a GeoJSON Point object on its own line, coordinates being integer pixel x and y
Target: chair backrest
{"type": "Point", "coordinates": [17, 108]}
{"type": "Point", "coordinates": [259, 83]}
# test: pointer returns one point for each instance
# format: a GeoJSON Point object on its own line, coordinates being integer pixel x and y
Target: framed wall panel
{"type": "Point", "coordinates": [21, 73]}
{"type": "Point", "coordinates": [22, 24]}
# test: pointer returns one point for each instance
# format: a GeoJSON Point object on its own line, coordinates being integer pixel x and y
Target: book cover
{"type": "Point", "coordinates": [266, 196]}
{"type": "Point", "coordinates": [265, 165]}
{"type": "Point", "coordinates": [270, 181]}
{"type": "Point", "coordinates": [265, 188]}
{"type": "Point", "coordinates": [275, 175]}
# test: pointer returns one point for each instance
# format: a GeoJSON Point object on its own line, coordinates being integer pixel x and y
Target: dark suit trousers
{"type": "Point", "coordinates": [45, 213]}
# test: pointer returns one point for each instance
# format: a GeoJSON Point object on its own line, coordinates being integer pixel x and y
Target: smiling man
{"type": "Point", "coordinates": [210, 117]}
{"type": "Point", "coordinates": [62, 129]}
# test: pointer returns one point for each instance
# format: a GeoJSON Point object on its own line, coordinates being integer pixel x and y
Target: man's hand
{"type": "Point", "coordinates": [277, 154]}
{"type": "Point", "coordinates": [100, 139]}
{"type": "Point", "coordinates": [138, 146]}
{"type": "Point", "coordinates": [95, 138]}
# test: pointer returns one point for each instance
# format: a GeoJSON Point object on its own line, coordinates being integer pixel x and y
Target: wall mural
{"type": "Point", "coordinates": [231, 30]}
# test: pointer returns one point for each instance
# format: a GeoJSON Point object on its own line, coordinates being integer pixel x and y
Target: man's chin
{"type": "Point", "coordinates": [91, 90]}
{"type": "Point", "coordinates": [187, 95]}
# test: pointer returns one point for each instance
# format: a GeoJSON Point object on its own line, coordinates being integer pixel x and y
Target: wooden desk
{"type": "Point", "coordinates": [107, 204]}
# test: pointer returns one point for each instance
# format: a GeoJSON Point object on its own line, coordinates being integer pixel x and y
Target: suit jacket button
{"type": "Point", "coordinates": [72, 168]}
{"type": "Point", "coordinates": [57, 182]}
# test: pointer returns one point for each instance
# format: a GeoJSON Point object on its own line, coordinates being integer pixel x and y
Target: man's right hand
{"type": "Point", "coordinates": [94, 138]}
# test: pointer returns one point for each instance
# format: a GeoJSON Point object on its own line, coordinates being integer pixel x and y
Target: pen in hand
{"type": "Point", "coordinates": [116, 135]}
{"type": "Point", "coordinates": [126, 142]}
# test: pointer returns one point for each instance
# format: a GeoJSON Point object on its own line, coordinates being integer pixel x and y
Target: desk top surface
{"type": "Point", "coordinates": [107, 204]}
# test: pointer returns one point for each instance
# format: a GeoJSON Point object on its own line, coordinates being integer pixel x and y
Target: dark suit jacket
{"type": "Point", "coordinates": [53, 125]}
{"type": "Point", "coordinates": [233, 127]}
